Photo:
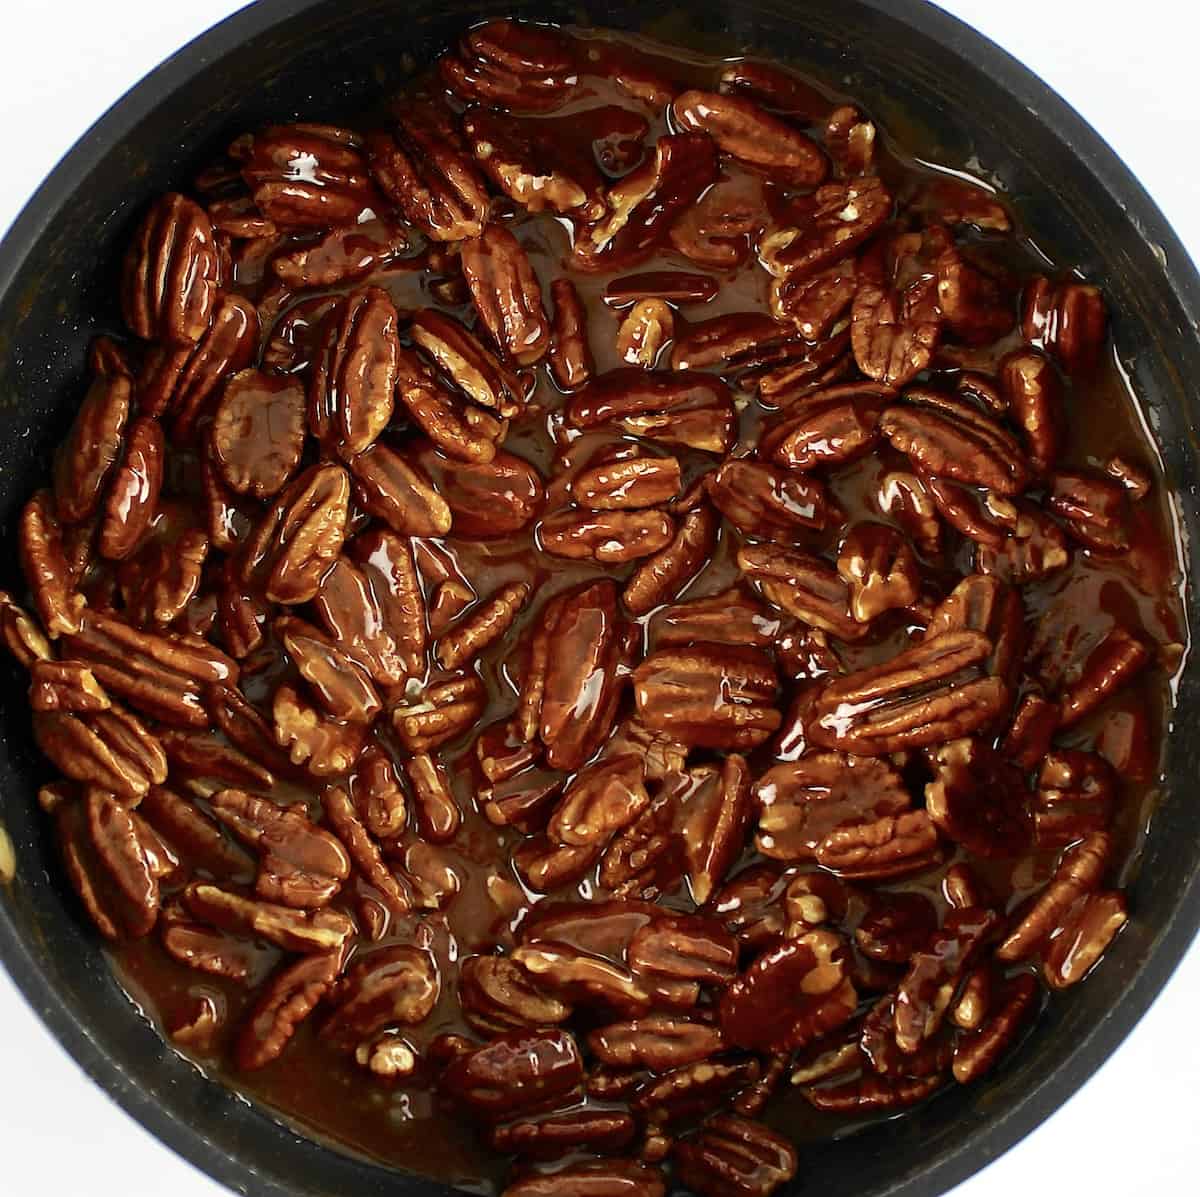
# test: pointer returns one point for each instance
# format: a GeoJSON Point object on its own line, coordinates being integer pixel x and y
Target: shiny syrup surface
{"type": "Point", "coordinates": [319, 1088]}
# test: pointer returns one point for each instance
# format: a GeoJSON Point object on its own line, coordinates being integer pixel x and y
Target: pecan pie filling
{"type": "Point", "coordinates": [600, 624]}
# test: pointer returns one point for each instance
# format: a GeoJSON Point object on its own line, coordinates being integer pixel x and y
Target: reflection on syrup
{"type": "Point", "coordinates": [315, 1084]}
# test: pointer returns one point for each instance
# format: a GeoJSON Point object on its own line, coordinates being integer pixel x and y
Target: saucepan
{"type": "Point", "coordinates": [927, 78]}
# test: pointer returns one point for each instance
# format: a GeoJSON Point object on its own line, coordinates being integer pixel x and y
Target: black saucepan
{"type": "Point", "coordinates": [930, 80]}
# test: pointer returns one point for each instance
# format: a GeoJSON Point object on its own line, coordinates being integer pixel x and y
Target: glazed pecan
{"type": "Point", "coordinates": [434, 806]}
{"type": "Point", "coordinates": [880, 568]}
{"type": "Point", "coordinates": [518, 1071]}
{"type": "Point", "coordinates": [481, 627]}
{"type": "Point", "coordinates": [594, 1178]}
{"type": "Point", "coordinates": [172, 273]}
{"type": "Point", "coordinates": [734, 1157]}
{"type": "Point", "coordinates": [946, 436]}
{"type": "Point", "coordinates": [1085, 933]}
{"type": "Point", "coordinates": [65, 686]}
{"type": "Point", "coordinates": [895, 926]}
{"type": "Point", "coordinates": [354, 373]}
{"type": "Point", "coordinates": [730, 617]}
{"type": "Point", "coordinates": [342, 686]}
{"type": "Point", "coordinates": [569, 354]}
{"type": "Point", "coordinates": [840, 217]}
{"type": "Point", "coordinates": [438, 713]}
{"type": "Point", "coordinates": [600, 801]}
{"type": "Point", "coordinates": [978, 799]}
{"type": "Point", "coordinates": [832, 427]}
{"type": "Point", "coordinates": [641, 207]}
{"type": "Point", "coordinates": [341, 255]}
{"type": "Point", "coordinates": [1034, 396]}
{"type": "Point", "coordinates": [21, 634]}
{"type": "Point", "coordinates": [1066, 319]}
{"type": "Point", "coordinates": [708, 695]}
{"type": "Point", "coordinates": [512, 65]}
{"type": "Point", "coordinates": [639, 481]}
{"type": "Point", "coordinates": [644, 332]}
{"type": "Point", "coordinates": [801, 802]}
{"type": "Point", "coordinates": [1076, 793]}
{"type": "Point", "coordinates": [1117, 659]}
{"type": "Point", "coordinates": [465, 432]}
{"type": "Point", "coordinates": [544, 866]}
{"type": "Point", "coordinates": [343, 817]}
{"type": "Point", "coordinates": [44, 564]}
{"type": "Point", "coordinates": [208, 951]}
{"type": "Point", "coordinates": [505, 292]}
{"type": "Point", "coordinates": [569, 695]}
{"type": "Point", "coordinates": [390, 986]}
{"type": "Point", "coordinates": [597, 1131]}
{"type": "Point", "coordinates": [924, 995]}
{"type": "Point", "coordinates": [607, 537]}
{"type": "Point", "coordinates": [110, 749]}
{"type": "Point", "coordinates": [977, 1053]}
{"type": "Point", "coordinates": [307, 931]}
{"type": "Point", "coordinates": [661, 576]}
{"type": "Point", "coordinates": [748, 133]}
{"type": "Point", "coordinates": [258, 432]}
{"type": "Point", "coordinates": [894, 333]}
{"type": "Point", "coordinates": [815, 303]}
{"type": "Point", "coordinates": [790, 996]}
{"type": "Point", "coordinates": [671, 406]}
{"type": "Point", "coordinates": [975, 308]}
{"type": "Point", "coordinates": [397, 491]}
{"type": "Point", "coordinates": [163, 674]}
{"type": "Point", "coordinates": [774, 88]}
{"type": "Point", "coordinates": [871, 1094]}
{"type": "Point", "coordinates": [473, 367]}
{"type": "Point", "coordinates": [300, 536]}
{"type": "Point", "coordinates": [904, 498]}
{"type": "Point", "coordinates": [716, 230]}
{"type": "Point", "coordinates": [674, 286]}
{"type": "Point", "coordinates": [714, 826]}
{"type": "Point", "coordinates": [682, 952]}
{"type": "Point", "coordinates": [890, 846]}
{"type": "Point", "coordinates": [300, 864]}
{"type": "Point", "coordinates": [487, 499]}
{"type": "Point", "coordinates": [802, 585]}
{"type": "Point", "coordinates": [289, 997]}
{"type": "Point", "coordinates": [307, 176]}
{"type": "Point", "coordinates": [694, 1090]}
{"type": "Point", "coordinates": [659, 1042]}
{"type": "Point", "coordinates": [498, 996]}
{"type": "Point", "coordinates": [427, 171]}
{"type": "Point", "coordinates": [768, 503]}
{"type": "Point", "coordinates": [133, 490]}
{"type": "Point", "coordinates": [163, 577]}
{"type": "Point", "coordinates": [933, 692]}
{"type": "Point", "coordinates": [987, 605]}
{"type": "Point", "coordinates": [1094, 507]}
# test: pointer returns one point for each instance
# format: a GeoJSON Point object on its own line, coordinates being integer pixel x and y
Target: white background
{"type": "Point", "coordinates": [1132, 1128]}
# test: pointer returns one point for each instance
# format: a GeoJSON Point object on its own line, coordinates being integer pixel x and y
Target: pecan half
{"type": "Point", "coordinates": [307, 931]}
{"type": "Point", "coordinates": [44, 564]}
{"type": "Point", "coordinates": [949, 437]}
{"type": "Point", "coordinates": [1111, 664]}
{"type": "Point", "coordinates": [505, 292]}
{"type": "Point", "coordinates": [289, 997]}
{"type": "Point", "coordinates": [661, 576]}
{"type": "Point", "coordinates": [714, 826]}
{"type": "Point", "coordinates": [978, 1052]}
{"type": "Point", "coordinates": [354, 373]}
{"type": "Point", "coordinates": [880, 568]}
{"type": "Point", "coordinates": [569, 695]}
{"type": "Point", "coordinates": [258, 432]}
{"type": "Point", "coordinates": [716, 230]}
{"type": "Point", "coordinates": [465, 432]}
{"type": "Point", "coordinates": [595, 1131]}
{"type": "Point", "coordinates": [340, 684]}
{"type": "Point", "coordinates": [172, 273]}
{"type": "Point", "coordinates": [473, 367]}
{"type": "Point", "coordinates": [427, 171]}
{"type": "Point", "coordinates": [438, 712]}
{"type": "Point", "coordinates": [933, 692]}
{"type": "Point", "coordinates": [842, 216]}
{"type": "Point", "coordinates": [748, 133]}
{"type": "Point", "coordinates": [891, 846]}
{"type": "Point", "coordinates": [1076, 793]}
{"type": "Point", "coordinates": [769, 503]}
{"type": "Point", "coordinates": [300, 864]}
{"type": "Point", "coordinates": [802, 585]}
{"type": "Point", "coordinates": [487, 499]}
{"type": "Point", "coordinates": [498, 996]}
{"type": "Point", "coordinates": [307, 176]}
{"type": "Point", "coordinates": [641, 207]}
{"type": "Point", "coordinates": [397, 491]}
{"type": "Point", "coordinates": [978, 799]}
{"type": "Point", "coordinates": [801, 802]}
{"type": "Point", "coordinates": [390, 986]}
{"type": "Point", "coordinates": [21, 634]}
{"type": "Point", "coordinates": [708, 695]}
{"type": "Point", "coordinates": [1066, 319]}
{"type": "Point", "coordinates": [600, 801]}
{"type": "Point", "coordinates": [790, 996]}
{"type": "Point", "coordinates": [518, 1071]}
{"type": "Point", "coordinates": [594, 1178]}
{"type": "Point", "coordinates": [1089, 927]}
{"type": "Point", "coordinates": [734, 1157]}
{"type": "Point", "coordinates": [436, 811]}
{"type": "Point", "coordinates": [300, 536]}
{"type": "Point", "coordinates": [569, 354]}
{"type": "Point", "coordinates": [109, 749]}
{"type": "Point", "coordinates": [667, 405]}
{"type": "Point", "coordinates": [1034, 396]}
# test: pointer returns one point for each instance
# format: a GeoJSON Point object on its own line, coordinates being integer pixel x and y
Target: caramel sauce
{"type": "Point", "coordinates": [317, 1087]}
